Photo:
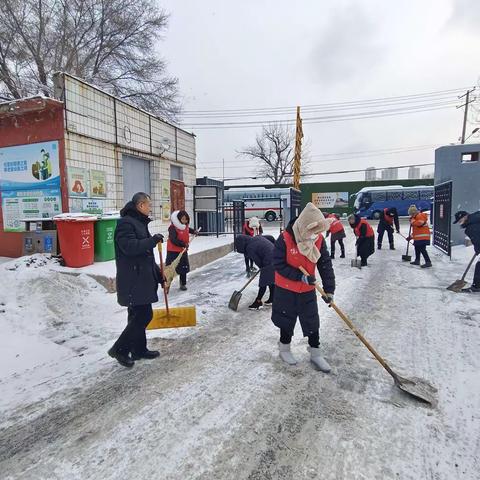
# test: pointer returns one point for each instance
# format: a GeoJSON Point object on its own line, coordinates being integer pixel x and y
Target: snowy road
{"type": "Point", "coordinates": [219, 404]}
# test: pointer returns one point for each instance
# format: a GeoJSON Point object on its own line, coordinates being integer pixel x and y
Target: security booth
{"type": "Point", "coordinates": [207, 208]}
{"type": "Point", "coordinates": [457, 187]}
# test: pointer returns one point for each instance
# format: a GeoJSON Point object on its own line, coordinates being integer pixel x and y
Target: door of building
{"type": "Point", "coordinates": [177, 195]}
{"type": "Point", "coordinates": [136, 176]}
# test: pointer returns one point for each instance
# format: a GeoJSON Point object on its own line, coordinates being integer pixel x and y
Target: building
{"type": "Point", "coordinates": [370, 174]}
{"type": "Point", "coordinates": [390, 174]}
{"type": "Point", "coordinates": [87, 151]}
{"type": "Point", "coordinates": [457, 181]}
{"type": "Point", "coordinates": [414, 173]}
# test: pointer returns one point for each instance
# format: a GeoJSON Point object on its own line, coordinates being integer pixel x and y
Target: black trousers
{"type": "Point", "coordinates": [421, 250]}
{"type": "Point", "coordinates": [313, 338]}
{"type": "Point", "coordinates": [248, 263]}
{"type": "Point", "coordinates": [381, 231]}
{"type": "Point", "coordinates": [133, 339]}
{"type": "Point", "coordinates": [476, 275]}
{"type": "Point", "coordinates": [262, 290]}
{"type": "Point", "coordinates": [332, 246]}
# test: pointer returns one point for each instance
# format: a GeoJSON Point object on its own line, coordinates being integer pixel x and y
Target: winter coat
{"type": "Point", "coordinates": [260, 250]}
{"type": "Point", "coordinates": [472, 230]}
{"type": "Point", "coordinates": [247, 230]}
{"type": "Point", "coordinates": [365, 237]}
{"type": "Point", "coordinates": [138, 275]}
{"type": "Point", "coordinates": [336, 230]}
{"type": "Point", "coordinates": [175, 231]}
{"type": "Point", "coordinates": [324, 264]}
{"type": "Point", "coordinates": [388, 219]}
{"type": "Point", "coordinates": [420, 229]}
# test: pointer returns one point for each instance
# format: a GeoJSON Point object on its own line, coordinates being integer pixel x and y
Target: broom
{"type": "Point", "coordinates": [175, 317]}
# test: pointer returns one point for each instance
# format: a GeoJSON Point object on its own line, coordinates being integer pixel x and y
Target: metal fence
{"type": "Point", "coordinates": [442, 217]}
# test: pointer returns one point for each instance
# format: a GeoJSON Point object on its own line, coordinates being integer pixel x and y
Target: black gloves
{"type": "Point", "coordinates": [309, 279]}
{"type": "Point", "coordinates": [158, 238]}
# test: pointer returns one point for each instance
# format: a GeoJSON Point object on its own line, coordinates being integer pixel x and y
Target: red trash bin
{"type": "Point", "coordinates": [76, 237]}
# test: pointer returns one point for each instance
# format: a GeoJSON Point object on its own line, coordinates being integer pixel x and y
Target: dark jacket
{"type": "Point", "coordinates": [260, 250]}
{"type": "Point", "coordinates": [472, 230]}
{"type": "Point", "coordinates": [324, 264]}
{"type": "Point", "coordinates": [138, 275]}
{"type": "Point", "coordinates": [384, 225]}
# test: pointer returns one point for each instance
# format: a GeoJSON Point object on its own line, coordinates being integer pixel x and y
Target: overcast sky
{"type": "Point", "coordinates": [278, 53]}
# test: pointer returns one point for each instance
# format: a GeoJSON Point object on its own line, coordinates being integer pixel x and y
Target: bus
{"type": "Point", "coordinates": [370, 201]}
{"type": "Point", "coordinates": [265, 203]}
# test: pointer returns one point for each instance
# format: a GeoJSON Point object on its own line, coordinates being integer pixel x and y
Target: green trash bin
{"type": "Point", "coordinates": [104, 239]}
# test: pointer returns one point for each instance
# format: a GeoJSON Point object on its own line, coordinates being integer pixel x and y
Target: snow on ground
{"type": "Point", "coordinates": [219, 404]}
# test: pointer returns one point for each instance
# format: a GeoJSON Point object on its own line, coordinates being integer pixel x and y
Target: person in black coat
{"type": "Point", "coordinates": [471, 223]}
{"type": "Point", "coordinates": [138, 277]}
{"type": "Point", "coordinates": [388, 219]}
{"type": "Point", "coordinates": [260, 250]}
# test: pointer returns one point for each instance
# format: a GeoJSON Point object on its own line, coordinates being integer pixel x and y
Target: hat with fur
{"type": "Point", "coordinates": [412, 210]}
{"type": "Point", "coordinates": [309, 224]}
{"type": "Point", "coordinates": [254, 222]}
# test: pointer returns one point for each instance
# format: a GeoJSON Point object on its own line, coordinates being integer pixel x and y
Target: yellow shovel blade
{"type": "Point", "coordinates": [179, 317]}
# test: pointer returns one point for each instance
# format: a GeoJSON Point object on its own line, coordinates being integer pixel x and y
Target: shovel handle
{"type": "Point", "coordinates": [250, 280]}
{"type": "Point", "coordinates": [468, 266]}
{"type": "Point", "coordinates": [352, 327]}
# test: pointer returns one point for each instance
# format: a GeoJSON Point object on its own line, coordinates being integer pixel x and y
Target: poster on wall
{"type": "Point", "coordinates": [165, 188]}
{"type": "Point", "coordinates": [166, 212]}
{"type": "Point", "coordinates": [98, 183]}
{"type": "Point", "coordinates": [29, 166]}
{"type": "Point", "coordinates": [93, 206]}
{"type": "Point", "coordinates": [18, 205]}
{"type": "Point", "coordinates": [77, 182]}
{"type": "Point", "coordinates": [330, 199]}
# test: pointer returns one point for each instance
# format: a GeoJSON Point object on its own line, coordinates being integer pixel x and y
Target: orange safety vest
{"type": "Point", "coordinates": [295, 259]}
{"type": "Point", "coordinates": [370, 232]}
{"type": "Point", "coordinates": [183, 236]}
{"type": "Point", "coordinates": [336, 226]}
{"type": "Point", "coordinates": [420, 228]}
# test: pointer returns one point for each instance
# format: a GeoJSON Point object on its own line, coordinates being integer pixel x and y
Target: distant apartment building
{"type": "Point", "coordinates": [390, 174]}
{"type": "Point", "coordinates": [413, 173]}
{"type": "Point", "coordinates": [370, 174]}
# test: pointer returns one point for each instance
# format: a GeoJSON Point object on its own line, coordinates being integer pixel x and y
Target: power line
{"type": "Point", "coordinates": [354, 102]}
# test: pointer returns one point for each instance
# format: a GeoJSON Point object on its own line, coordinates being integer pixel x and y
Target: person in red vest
{"type": "Point", "coordinates": [420, 235]}
{"type": "Point", "coordinates": [252, 227]}
{"type": "Point", "coordinates": [301, 245]}
{"type": "Point", "coordinates": [388, 219]}
{"type": "Point", "coordinates": [178, 239]}
{"type": "Point", "coordinates": [337, 233]}
{"type": "Point", "coordinates": [365, 237]}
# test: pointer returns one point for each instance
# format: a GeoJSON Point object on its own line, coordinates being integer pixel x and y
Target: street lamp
{"type": "Point", "coordinates": [475, 130]}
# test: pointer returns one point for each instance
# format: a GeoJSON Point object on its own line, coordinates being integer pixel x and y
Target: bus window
{"type": "Point", "coordinates": [378, 196]}
{"type": "Point", "coordinates": [410, 194]}
{"type": "Point", "coordinates": [394, 196]}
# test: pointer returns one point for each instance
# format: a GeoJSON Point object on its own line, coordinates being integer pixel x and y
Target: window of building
{"type": "Point", "coordinates": [470, 157]}
{"type": "Point", "coordinates": [176, 173]}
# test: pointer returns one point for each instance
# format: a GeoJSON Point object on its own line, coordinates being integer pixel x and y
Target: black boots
{"type": "Point", "coordinates": [183, 287]}
{"type": "Point", "coordinates": [426, 265]}
{"type": "Point", "coordinates": [256, 305]}
{"type": "Point", "coordinates": [121, 358]}
{"type": "Point", "coordinates": [147, 355]}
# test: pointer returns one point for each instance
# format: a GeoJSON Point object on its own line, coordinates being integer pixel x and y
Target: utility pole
{"type": "Point", "coordinates": [223, 165]}
{"type": "Point", "coordinates": [297, 161]}
{"type": "Point", "coordinates": [465, 113]}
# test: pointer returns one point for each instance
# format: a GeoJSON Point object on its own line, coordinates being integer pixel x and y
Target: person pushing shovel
{"type": "Point", "coordinates": [470, 222]}
{"type": "Point", "coordinates": [138, 277]}
{"type": "Point", "coordinates": [301, 245]}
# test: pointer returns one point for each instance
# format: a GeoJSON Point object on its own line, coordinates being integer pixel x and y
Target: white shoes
{"type": "Point", "coordinates": [286, 354]}
{"type": "Point", "coordinates": [318, 361]}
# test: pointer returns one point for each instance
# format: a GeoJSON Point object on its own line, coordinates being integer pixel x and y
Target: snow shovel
{"type": "Point", "coordinates": [407, 257]}
{"type": "Point", "coordinates": [237, 295]}
{"type": "Point", "coordinates": [457, 285]}
{"type": "Point", "coordinates": [175, 317]}
{"type": "Point", "coordinates": [419, 389]}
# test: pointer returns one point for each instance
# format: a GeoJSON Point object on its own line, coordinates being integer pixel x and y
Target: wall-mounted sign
{"type": "Point", "coordinates": [166, 211]}
{"type": "Point", "coordinates": [98, 183]}
{"type": "Point", "coordinates": [330, 199]}
{"type": "Point", "coordinates": [93, 206]}
{"type": "Point", "coordinates": [77, 182]}
{"type": "Point", "coordinates": [166, 189]}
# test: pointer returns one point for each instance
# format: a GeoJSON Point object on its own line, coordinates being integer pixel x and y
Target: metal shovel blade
{"type": "Point", "coordinates": [234, 300]}
{"type": "Point", "coordinates": [356, 263]}
{"type": "Point", "coordinates": [418, 388]}
{"type": "Point", "coordinates": [406, 258]}
{"type": "Point", "coordinates": [457, 286]}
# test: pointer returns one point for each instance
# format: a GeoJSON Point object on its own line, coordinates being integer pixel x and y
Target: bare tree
{"type": "Point", "coordinates": [110, 43]}
{"type": "Point", "coordinates": [275, 148]}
